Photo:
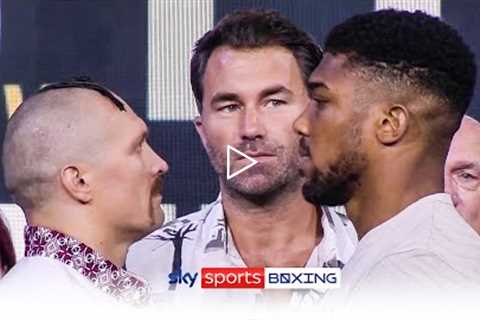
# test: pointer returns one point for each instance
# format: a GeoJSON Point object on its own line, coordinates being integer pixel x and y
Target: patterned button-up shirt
{"type": "Point", "coordinates": [103, 274]}
{"type": "Point", "coordinates": [201, 239]}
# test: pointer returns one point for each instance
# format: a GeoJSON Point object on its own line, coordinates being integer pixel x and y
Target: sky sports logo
{"type": "Point", "coordinates": [261, 278]}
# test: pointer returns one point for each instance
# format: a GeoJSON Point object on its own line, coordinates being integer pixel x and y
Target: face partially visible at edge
{"type": "Point", "coordinates": [7, 251]}
{"type": "Point", "coordinates": [251, 98]}
{"type": "Point", "coordinates": [462, 171]}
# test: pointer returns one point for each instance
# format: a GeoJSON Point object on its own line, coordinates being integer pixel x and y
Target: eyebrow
{"type": "Point", "coordinates": [466, 165]}
{"type": "Point", "coordinates": [227, 96]}
{"type": "Point", "coordinates": [274, 90]}
{"type": "Point", "coordinates": [224, 96]}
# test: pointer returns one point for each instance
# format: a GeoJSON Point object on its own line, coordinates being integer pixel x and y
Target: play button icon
{"type": "Point", "coordinates": [231, 149]}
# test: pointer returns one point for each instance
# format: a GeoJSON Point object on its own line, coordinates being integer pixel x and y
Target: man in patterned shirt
{"type": "Point", "coordinates": [88, 191]}
{"type": "Point", "coordinates": [248, 76]}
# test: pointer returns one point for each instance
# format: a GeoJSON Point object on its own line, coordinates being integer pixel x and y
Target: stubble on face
{"type": "Point", "coordinates": [265, 180]}
{"type": "Point", "coordinates": [337, 184]}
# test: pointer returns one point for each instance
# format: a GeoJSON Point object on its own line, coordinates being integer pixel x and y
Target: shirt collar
{"type": "Point", "coordinates": [218, 238]}
{"type": "Point", "coordinates": [117, 282]}
{"type": "Point", "coordinates": [340, 210]}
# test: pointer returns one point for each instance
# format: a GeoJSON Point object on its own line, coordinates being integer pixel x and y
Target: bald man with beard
{"type": "Point", "coordinates": [77, 162]}
{"type": "Point", "coordinates": [462, 171]}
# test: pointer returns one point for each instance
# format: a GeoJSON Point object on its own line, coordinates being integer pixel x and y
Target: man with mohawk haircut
{"type": "Point", "coordinates": [88, 191]}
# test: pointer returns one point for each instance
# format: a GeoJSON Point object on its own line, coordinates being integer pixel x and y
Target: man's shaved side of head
{"type": "Point", "coordinates": [48, 131]}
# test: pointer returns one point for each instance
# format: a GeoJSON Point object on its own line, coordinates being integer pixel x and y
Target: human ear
{"type": "Point", "coordinates": [198, 122]}
{"type": "Point", "coordinates": [392, 125]}
{"type": "Point", "coordinates": [76, 183]}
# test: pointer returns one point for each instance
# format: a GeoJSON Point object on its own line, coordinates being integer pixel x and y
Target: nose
{"type": "Point", "coordinates": [162, 165]}
{"type": "Point", "coordinates": [159, 165]}
{"type": "Point", "coordinates": [301, 124]}
{"type": "Point", "coordinates": [252, 127]}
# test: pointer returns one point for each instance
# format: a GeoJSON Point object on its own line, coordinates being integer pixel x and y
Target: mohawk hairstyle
{"type": "Point", "coordinates": [414, 46]}
{"type": "Point", "coordinates": [86, 83]}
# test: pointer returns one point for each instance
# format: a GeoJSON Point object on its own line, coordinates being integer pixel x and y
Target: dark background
{"type": "Point", "coordinates": [50, 40]}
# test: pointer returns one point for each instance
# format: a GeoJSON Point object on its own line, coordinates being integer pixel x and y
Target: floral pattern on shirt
{"type": "Point", "coordinates": [118, 282]}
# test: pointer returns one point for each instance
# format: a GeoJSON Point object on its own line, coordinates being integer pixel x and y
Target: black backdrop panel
{"type": "Point", "coordinates": [313, 16]}
{"type": "Point", "coordinates": [463, 15]}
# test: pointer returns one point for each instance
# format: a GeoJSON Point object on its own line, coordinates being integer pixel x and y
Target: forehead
{"type": "Point", "coordinates": [231, 68]}
{"type": "Point", "coordinates": [465, 145]}
{"type": "Point", "coordinates": [112, 120]}
{"type": "Point", "coordinates": [333, 73]}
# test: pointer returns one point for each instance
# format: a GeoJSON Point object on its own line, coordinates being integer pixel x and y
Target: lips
{"type": "Point", "coordinates": [259, 154]}
{"type": "Point", "coordinates": [256, 155]}
{"type": "Point", "coordinates": [256, 149]}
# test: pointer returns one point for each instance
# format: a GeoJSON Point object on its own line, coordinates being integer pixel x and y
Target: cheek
{"type": "Point", "coordinates": [470, 201]}
{"type": "Point", "coordinates": [124, 177]}
{"type": "Point", "coordinates": [320, 157]}
{"type": "Point", "coordinates": [283, 119]}
{"type": "Point", "coordinates": [280, 128]}
{"type": "Point", "coordinates": [318, 139]}
{"type": "Point", "coordinates": [220, 132]}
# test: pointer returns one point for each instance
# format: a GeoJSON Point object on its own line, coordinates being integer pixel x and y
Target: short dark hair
{"type": "Point", "coordinates": [252, 29]}
{"type": "Point", "coordinates": [414, 46]}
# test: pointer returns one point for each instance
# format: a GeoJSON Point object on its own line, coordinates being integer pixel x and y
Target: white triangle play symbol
{"type": "Point", "coordinates": [251, 164]}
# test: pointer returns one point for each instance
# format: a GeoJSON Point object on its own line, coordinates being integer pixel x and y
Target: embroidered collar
{"type": "Point", "coordinates": [124, 286]}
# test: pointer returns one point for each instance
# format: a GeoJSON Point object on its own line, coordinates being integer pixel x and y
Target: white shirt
{"type": "Point", "coordinates": [59, 270]}
{"type": "Point", "coordinates": [44, 281]}
{"type": "Point", "coordinates": [425, 254]}
{"type": "Point", "coordinates": [200, 240]}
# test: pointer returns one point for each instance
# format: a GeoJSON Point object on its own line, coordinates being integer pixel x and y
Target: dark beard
{"type": "Point", "coordinates": [338, 184]}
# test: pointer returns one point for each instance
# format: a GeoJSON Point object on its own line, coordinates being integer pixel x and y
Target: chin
{"type": "Point", "coordinates": [258, 188]}
{"type": "Point", "coordinates": [251, 183]}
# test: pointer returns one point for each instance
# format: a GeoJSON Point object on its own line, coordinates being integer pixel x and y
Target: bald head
{"type": "Point", "coordinates": [47, 131]}
{"type": "Point", "coordinates": [462, 171]}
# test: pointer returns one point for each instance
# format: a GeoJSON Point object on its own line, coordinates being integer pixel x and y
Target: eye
{"type": "Point", "coordinates": [467, 180]}
{"type": "Point", "coordinates": [465, 176]}
{"type": "Point", "coordinates": [273, 103]}
{"type": "Point", "coordinates": [229, 108]}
